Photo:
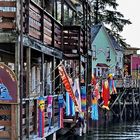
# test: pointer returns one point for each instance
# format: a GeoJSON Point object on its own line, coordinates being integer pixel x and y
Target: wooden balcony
{"type": "Point", "coordinates": [37, 23]}
{"type": "Point", "coordinates": [73, 41]}
{"type": "Point", "coordinates": [42, 26]}
{"type": "Point", "coordinates": [7, 15]}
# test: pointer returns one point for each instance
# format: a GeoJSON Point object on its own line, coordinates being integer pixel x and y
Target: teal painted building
{"type": "Point", "coordinates": [107, 55]}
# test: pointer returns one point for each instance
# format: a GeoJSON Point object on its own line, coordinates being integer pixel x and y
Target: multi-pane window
{"type": "Point", "coordinates": [59, 10]}
{"type": "Point", "coordinates": [69, 15]}
{"type": "Point", "coordinates": [108, 53]}
{"type": "Point", "coordinates": [48, 6]}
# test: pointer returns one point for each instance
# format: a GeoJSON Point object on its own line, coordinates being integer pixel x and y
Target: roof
{"type": "Point", "coordinates": [132, 48]}
{"type": "Point", "coordinates": [94, 31]}
{"type": "Point", "coordinates": [102, 65]}
{"type": "Point", "coordinates": [115, 44]}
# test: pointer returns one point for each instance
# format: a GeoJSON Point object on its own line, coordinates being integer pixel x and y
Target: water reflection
{"type": "Point", "coordinates": [118, 131]}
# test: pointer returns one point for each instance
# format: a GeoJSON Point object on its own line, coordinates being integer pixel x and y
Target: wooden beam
{"type": "Point", "coordinates": [5, 112]}
{"type": "Point", "coordinates": [7, 25]}
{"type": "Point", "coordinates": [7, 3]}
{"type": "Point", "coordinates": [7, 37]}
{"type": "Point", "coordinates": [34, 33]}
{"type": "Point", "coordinates": [33, 15]}
{"type": "Point", "coordinates": [14, 134]}
{"type": "Point", "coordinates": [8, 14]}
{"type": "Point", "coordinates": [4, 134]}
{"type": "Point", "coordinates": [5, 123]}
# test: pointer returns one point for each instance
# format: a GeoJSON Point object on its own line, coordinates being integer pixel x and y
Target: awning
{"type": "Point", "coordinates": [102, 65]}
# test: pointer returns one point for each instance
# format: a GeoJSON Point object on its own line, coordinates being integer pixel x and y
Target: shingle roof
{"type": "Point", "coordinates": [115, 43]}
{"type": "Point", "coordinates": [94, 31]}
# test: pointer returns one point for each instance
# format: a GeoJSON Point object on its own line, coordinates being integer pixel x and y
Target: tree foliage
{"type": "Point", "coordinates": [105, 11]}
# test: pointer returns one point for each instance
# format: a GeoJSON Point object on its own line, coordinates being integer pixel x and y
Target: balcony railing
{"type": "Point", "coordinates": [42, 26]}
{"type": "Point", "coordinates": [127, 83]}
{"type": "Point", "coordinates": [37, 23]}
{"type": "Point", "coordinates": [73, 40]}
{"type": "Point", "coordinates": [30, 127]}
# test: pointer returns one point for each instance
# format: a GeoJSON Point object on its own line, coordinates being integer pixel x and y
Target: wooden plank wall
{"type": "Point", "coordinates": [8, 122]}
{"type": "Point", "coordinates": [42, 26]}
{"type": "Point", "coordinates": [7, 14]}
{"type": "Point", "coordinates": [30, 122]}
{"type": "Point", "coordinates": [73, 38]}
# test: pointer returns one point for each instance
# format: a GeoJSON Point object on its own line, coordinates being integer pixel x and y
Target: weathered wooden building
{"type": "Point", "coordinates": [35, 36]}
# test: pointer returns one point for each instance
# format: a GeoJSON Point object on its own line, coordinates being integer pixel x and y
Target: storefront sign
{"type": "Point", "coordinates": [8, 85]}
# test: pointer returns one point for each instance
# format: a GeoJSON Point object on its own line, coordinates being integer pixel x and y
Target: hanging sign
{"type": "Point", "coordinates": [8, 85]}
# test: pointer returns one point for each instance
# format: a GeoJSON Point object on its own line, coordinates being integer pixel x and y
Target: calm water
{"type": "Point", "coordinates": [119, 131]}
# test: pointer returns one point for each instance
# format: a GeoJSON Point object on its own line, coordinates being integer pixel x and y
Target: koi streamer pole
{"type": "Point", "coordinates": [94, 99]}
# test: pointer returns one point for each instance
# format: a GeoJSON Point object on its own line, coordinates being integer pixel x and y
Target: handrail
{"type": "Point", "coordinates": [119, 97]}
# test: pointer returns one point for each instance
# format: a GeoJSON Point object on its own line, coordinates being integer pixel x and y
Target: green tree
{"type": "Point", "coordinates": [105, 11]}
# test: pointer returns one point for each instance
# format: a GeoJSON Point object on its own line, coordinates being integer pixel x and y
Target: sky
{"type": "Point", "coordinates": [131, 10]}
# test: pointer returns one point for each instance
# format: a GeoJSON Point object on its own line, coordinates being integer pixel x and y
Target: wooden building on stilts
{"type": "Point", "coordinates": [35, 37]}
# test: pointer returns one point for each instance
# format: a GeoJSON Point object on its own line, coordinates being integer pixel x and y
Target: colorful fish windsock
{"type": "Point", "coordinates": [41, 116]}
{"type": "Point", "coordinates": [94, 99]}
{"type": "Point", "coordinates": [49, 109]}
{"type": "Point", "coordinates": [96, 92]}
{"type": "Point", "coordinates": [105, 94]}
{"type": "Point", "coordinates": [93, 80]}
{"type": "Point", "coordinates": [94, 108]}
{"type": "Point", "coordinates": [112, 87]}
{"type": "Point", "coordinates": [67, 104]}
{"type": "Point", "coordinates": [61, 111]}
{"type": "Point", "coordinates": [83, 98]}
{"type": "Point", "coordinates": [76, 90]}
{"type": "Point", "coordinates": [66, 81]}
{"type": "Point", "coordinates": [70, 108]}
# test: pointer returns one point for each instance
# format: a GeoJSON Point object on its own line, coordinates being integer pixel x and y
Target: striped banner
{"type": "Point", "coordinates": [76, 90]}
{"type": "Point", "coordinates": [67, 104]}
{"type": "Point", "coordinates": [83, 98]}
{"type": "Point", "coordinates": [61, 111]}
{"type": "Point", "coordinates": [70, 107]}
